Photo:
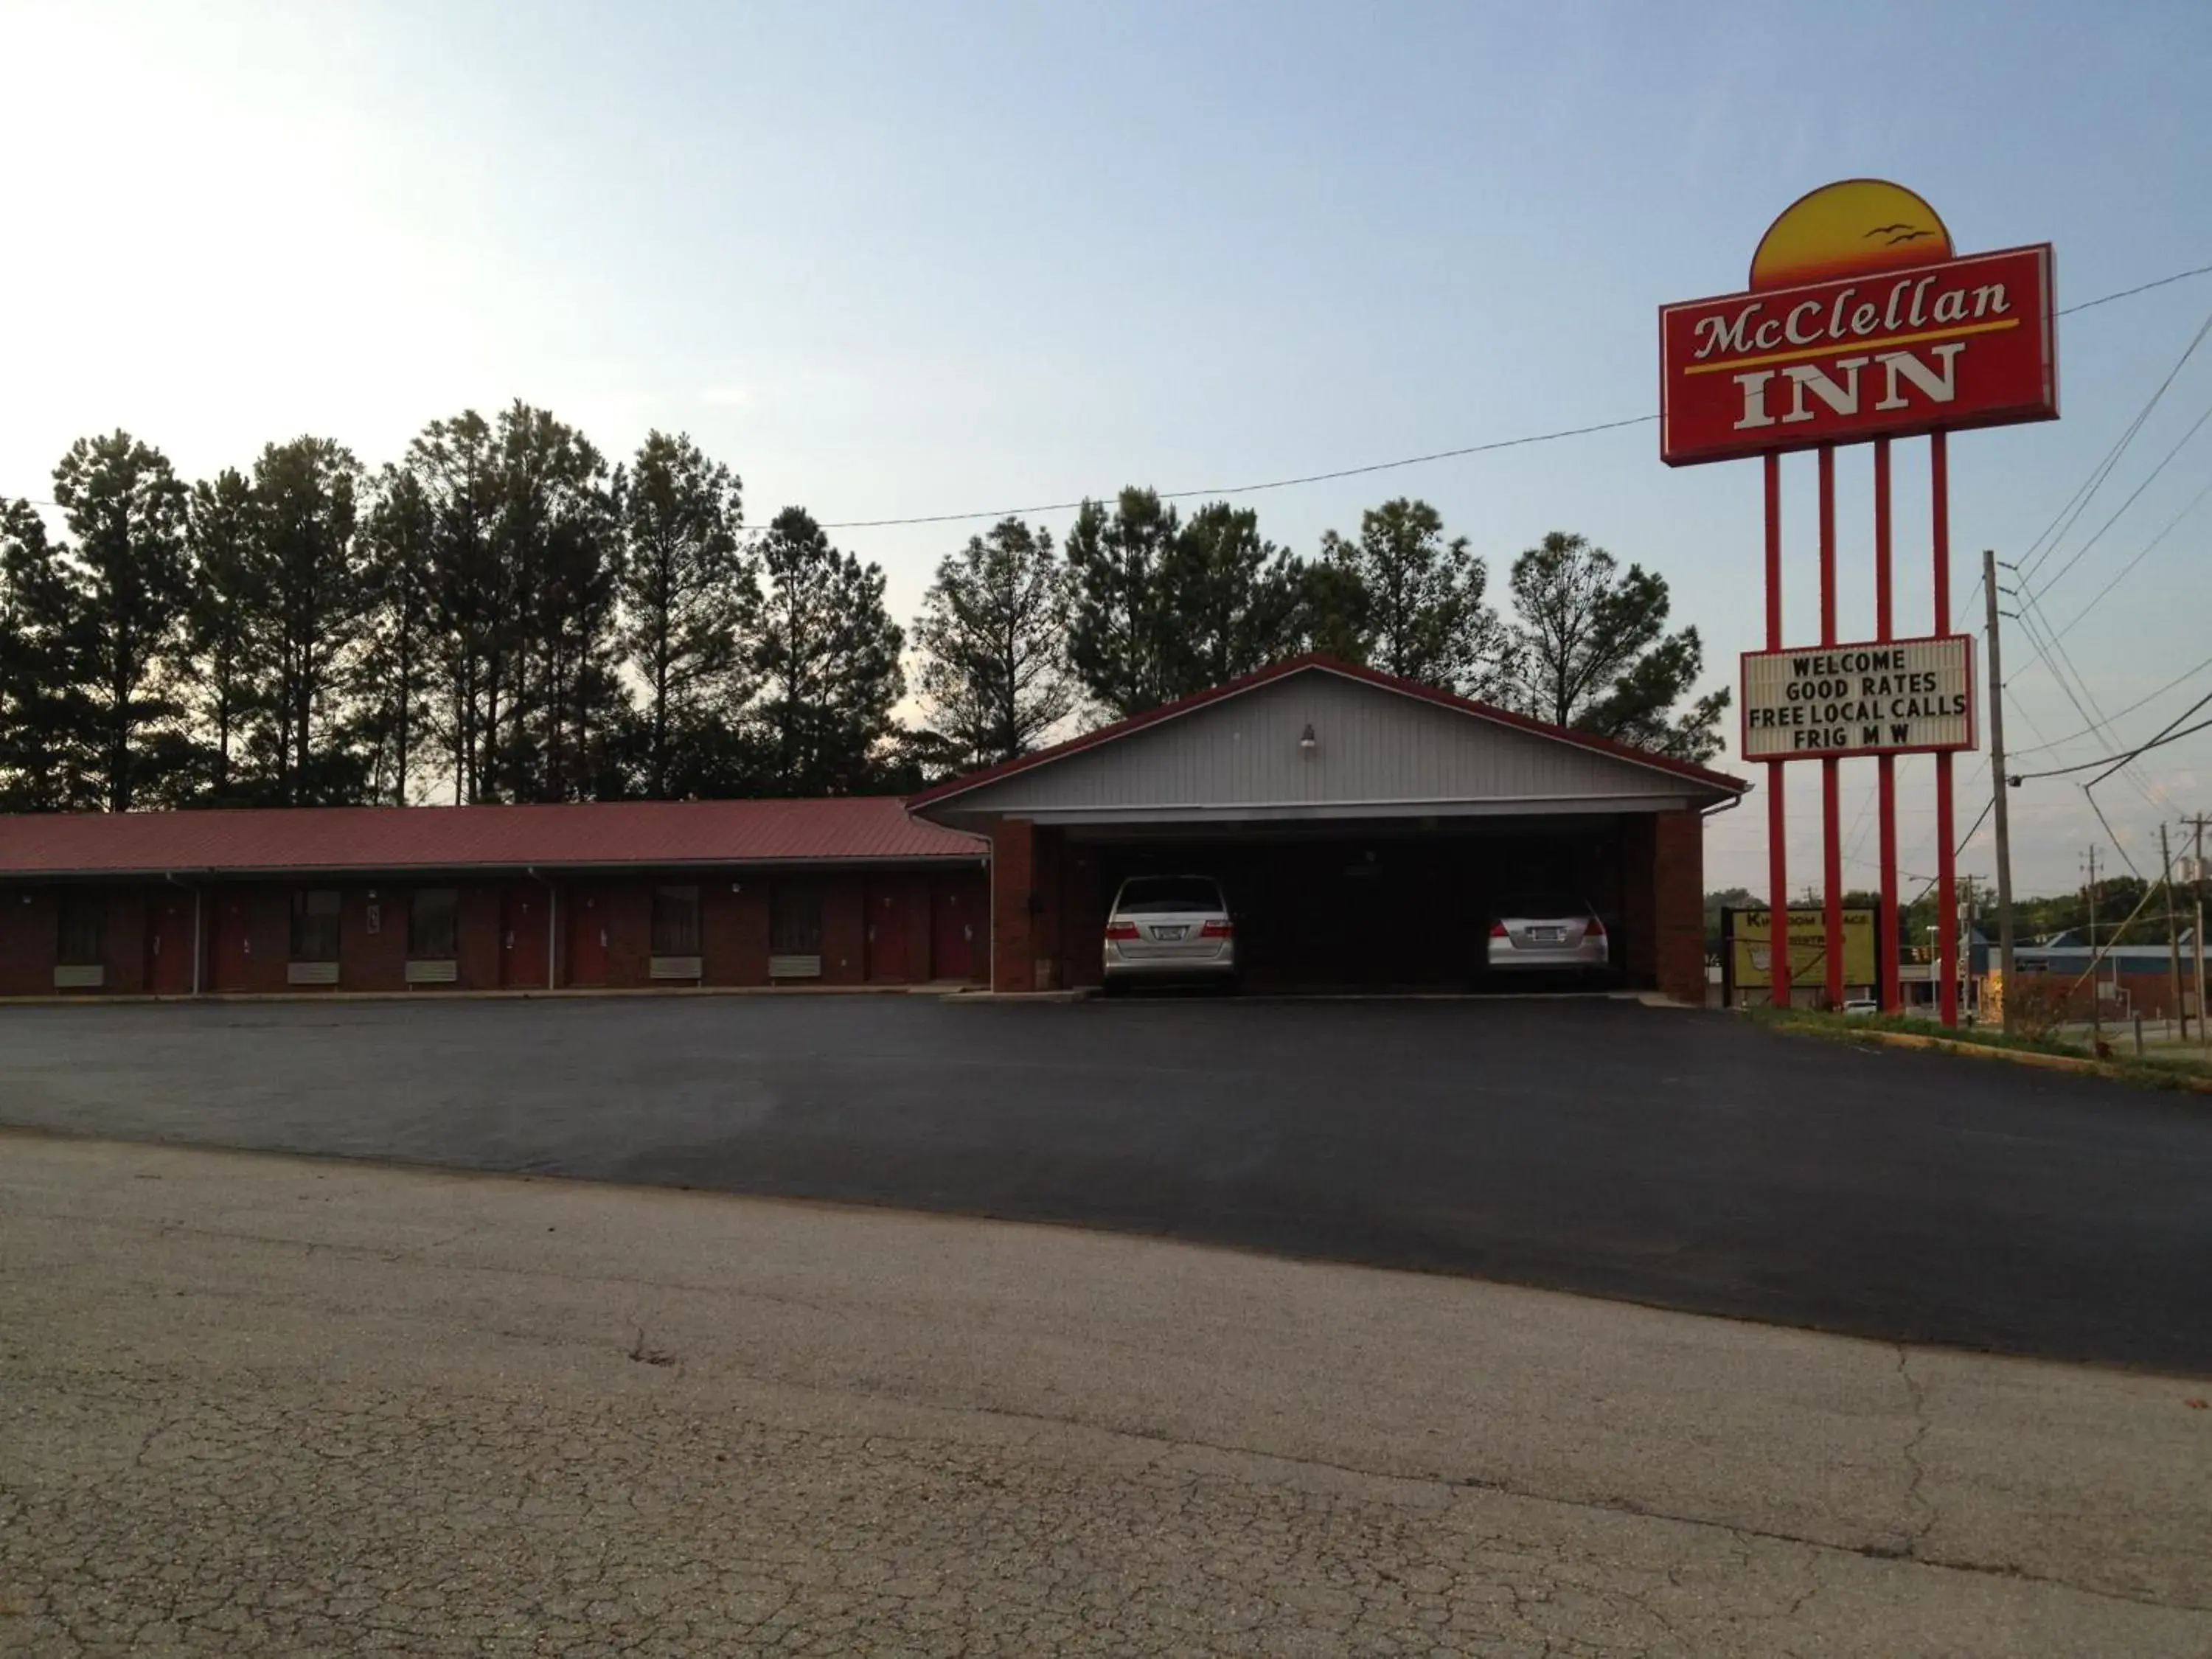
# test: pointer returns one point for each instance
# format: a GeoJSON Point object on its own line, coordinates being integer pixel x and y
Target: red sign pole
{"type": "Point", "coordinates": [1947, 857]}
{"type": "Point", "coordinates": [1777, 825]}
{"type": "Point", "coordinates": [1831, 830]}
{"type": "Point", "coordinates": [1885, 622]}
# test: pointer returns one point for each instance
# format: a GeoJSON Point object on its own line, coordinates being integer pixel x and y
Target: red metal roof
{"type": "Point", "coordinates": [960, 786]}
{"type": "Point", "coordinates": [376, 838]}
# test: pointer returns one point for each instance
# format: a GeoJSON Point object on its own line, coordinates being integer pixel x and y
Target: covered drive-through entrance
{"type": "Point", "coordinates": [1367, 831]}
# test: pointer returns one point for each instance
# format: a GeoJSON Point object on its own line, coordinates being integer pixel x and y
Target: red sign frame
{"type": "Point", "coordinates": [1961, 342]}
{"type": "Point", "coordinates": [1972, 741]}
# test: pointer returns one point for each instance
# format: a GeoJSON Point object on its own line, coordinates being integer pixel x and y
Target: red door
{"type": "Point", "coordinates": [169, 944]}
{"type": "Point", "coordinates": [958, 914]}
{"type": "Point", "coordinates": [588, 918]}
{"type": "Point", "coordinates": [522, 939]}
{"type": "Point", "coordinates": [230, 911]}
{"type": "Point", "coordinates": [887, 929]}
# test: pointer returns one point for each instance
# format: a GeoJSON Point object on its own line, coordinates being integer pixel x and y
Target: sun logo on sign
{"type": "Point", "coordinates": [1848, 229]}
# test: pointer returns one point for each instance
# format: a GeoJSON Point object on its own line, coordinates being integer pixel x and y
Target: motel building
{"type": "Point", "coordinates": [1366, 830]}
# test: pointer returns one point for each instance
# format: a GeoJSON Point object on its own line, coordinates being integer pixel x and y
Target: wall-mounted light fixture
{"type": "Point", "coordinates": [1307, 742]}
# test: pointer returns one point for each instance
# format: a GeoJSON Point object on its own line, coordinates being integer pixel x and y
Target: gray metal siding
{"type": "Point", "coordinates": [1372, 746]}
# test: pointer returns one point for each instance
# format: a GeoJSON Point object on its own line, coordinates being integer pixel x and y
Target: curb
{"type": "Point", "coordinates": [2080, 1065]}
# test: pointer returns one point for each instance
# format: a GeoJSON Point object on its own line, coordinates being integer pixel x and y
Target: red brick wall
{"type": "Point", "coordinates": [1678, 888]}
{"type": "Point", "coordinates": [915, 891]}
{"type": "Point", "coordinates": [1639, 907]}
{"type": "Point", "coordinates": [733, 929]}
{"type": "Point", "coordinates": [1083, 898]}
{"type": "Point", "coordinates": [1013, 846]}
{"type": "Point", "coordinates": [844, 930]}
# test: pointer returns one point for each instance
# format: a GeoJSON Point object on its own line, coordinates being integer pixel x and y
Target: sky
{"type": "Point", "coordinates": [902, 259]}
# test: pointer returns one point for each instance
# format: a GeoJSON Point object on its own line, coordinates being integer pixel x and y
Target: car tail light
{"type": "Point", "coordinates": [1221, 929]}
{"type": "Point", "coordinates": [1120, 930]}
{"type": "Point", "coordinates": [1497, 930]}
{"type": "Point", "coordinates": [1593, 929]}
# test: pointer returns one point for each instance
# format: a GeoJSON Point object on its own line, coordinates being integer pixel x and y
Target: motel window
{"type": "Point", "coordinates": [315, 925]}
{"type": "Point", "coordinates": [676, 921]}
{"type": "Point", "coordinates": [794, 919]}
{"type": "Point", "coordinates": [433, 924]}
{"type": "Point", "coordinates": [83, 927]}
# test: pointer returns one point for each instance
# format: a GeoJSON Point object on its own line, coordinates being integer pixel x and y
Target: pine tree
{"type": "Point", "coordinates": [554, 699]}
{"type": "Point", "coordinates": [1121, 621]}
{"type": "Point", "coordinates": [1593, 651]}
{"type": "Point", "coordinates": [1415, 602]}
{"type": "Point", "coordinates": [393, 682]}
{"type": "Point", "coordinates": [126, 509]}
{"type": "Point", "coordinates": [829, 656]}
{"type": "Point", "coordinates": [993, 633]}
{"type": "Point", "coordinates": [453, 464]}
{"type": "Point", "coordinates": [45, 714]}
{"type": "Point", "coordinates": [313, 581]}
{"type": "Point", "coordinates": [690, 602]}
{"type": "Point", "coordinates": [229, 692]}
{"type": "Point", "coordinates": [1230, 600]}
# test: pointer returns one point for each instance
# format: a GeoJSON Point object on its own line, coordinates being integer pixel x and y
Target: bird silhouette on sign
{"type": "Point", "coordinates": [1897, 233]}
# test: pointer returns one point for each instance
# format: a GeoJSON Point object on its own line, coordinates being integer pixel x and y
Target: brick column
{"type": "Point", "coordinates": [1678, 875]}
{"type": "Point", "coordinates": [1014, 951]}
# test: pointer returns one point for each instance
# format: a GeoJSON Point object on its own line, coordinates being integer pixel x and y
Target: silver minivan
{"type": "Point", "coordinates": [1162, 927]}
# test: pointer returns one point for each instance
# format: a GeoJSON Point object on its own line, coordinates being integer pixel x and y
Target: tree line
{"type": "Point", "coordinates": [503, 614]}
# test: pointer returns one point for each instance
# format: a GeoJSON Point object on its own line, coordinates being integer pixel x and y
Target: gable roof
{"type": "Point", "coordinates": [1320, 662]}
{"type": "Point", "coordinates": [857, 828]}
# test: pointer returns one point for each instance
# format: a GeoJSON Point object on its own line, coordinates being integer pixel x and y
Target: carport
{"type": "Point", "coordinates": [1366, 828]}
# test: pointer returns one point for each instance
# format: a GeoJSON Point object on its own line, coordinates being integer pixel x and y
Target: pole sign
{"type": "Point", "coordinates": [1858, 323]}
{"type": "Point", "coordinates": [1886, 697]}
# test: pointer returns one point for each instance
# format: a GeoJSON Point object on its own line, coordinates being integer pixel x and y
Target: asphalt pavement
{"type": "Point", "coordinates": [1680, 1158]}
{"type": "Point", "coordinates": [265, 1406]}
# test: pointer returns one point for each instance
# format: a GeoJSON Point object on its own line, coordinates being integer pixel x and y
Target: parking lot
{"type": "Point", "coordinates": [1680, 1158]}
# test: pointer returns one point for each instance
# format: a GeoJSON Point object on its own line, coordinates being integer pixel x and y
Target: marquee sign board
{"type": "Point", "coordinates": [1964, 343]}
{"type": "Point", "coordinates": [1886, 697]}
{"type": "Point", "coordinates": [1749, 956]}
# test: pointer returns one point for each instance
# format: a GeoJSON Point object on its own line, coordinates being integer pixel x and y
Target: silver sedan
{"type": "Point", "coordinates": [1550, 933]}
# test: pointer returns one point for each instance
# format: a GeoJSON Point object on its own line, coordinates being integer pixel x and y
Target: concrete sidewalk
{"type": "Point", "coordinates": [255, 1404]}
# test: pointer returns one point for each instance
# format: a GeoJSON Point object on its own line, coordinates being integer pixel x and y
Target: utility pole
{"type": "Point", "coordinates": [2002, 785]}
{"type": "Point", "coordinates": [2173, 937]}
{"type": "Point", "coordinates": [2096, 1009]}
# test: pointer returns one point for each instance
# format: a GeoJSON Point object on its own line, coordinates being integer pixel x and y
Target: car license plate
{"type": "Point", "coordinates": [1170, 932]}
{"type": "Point", "coordinates": [1548, 935]}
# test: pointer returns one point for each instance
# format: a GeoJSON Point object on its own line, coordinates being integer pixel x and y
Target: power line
{"type": "Point", "coordinates": [1273, 483]}
{"type": "Point", "coordinates": [1416, 460]}
{"type": "Point", "coordinates": [2128, 568]}
{"type": "Point", "coordinates": [2091, 731]}
{"type": "Point", "coordinates": [2196, 426]}
{"type": "Point", "coordinates": [1378, 466]}
{"type": "Point", "coordinates": [2130, 293]}
{"type": "Point", "coordinates": [2158, 742]}
{"type": "Point", "coordinates": [2072, 512]}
